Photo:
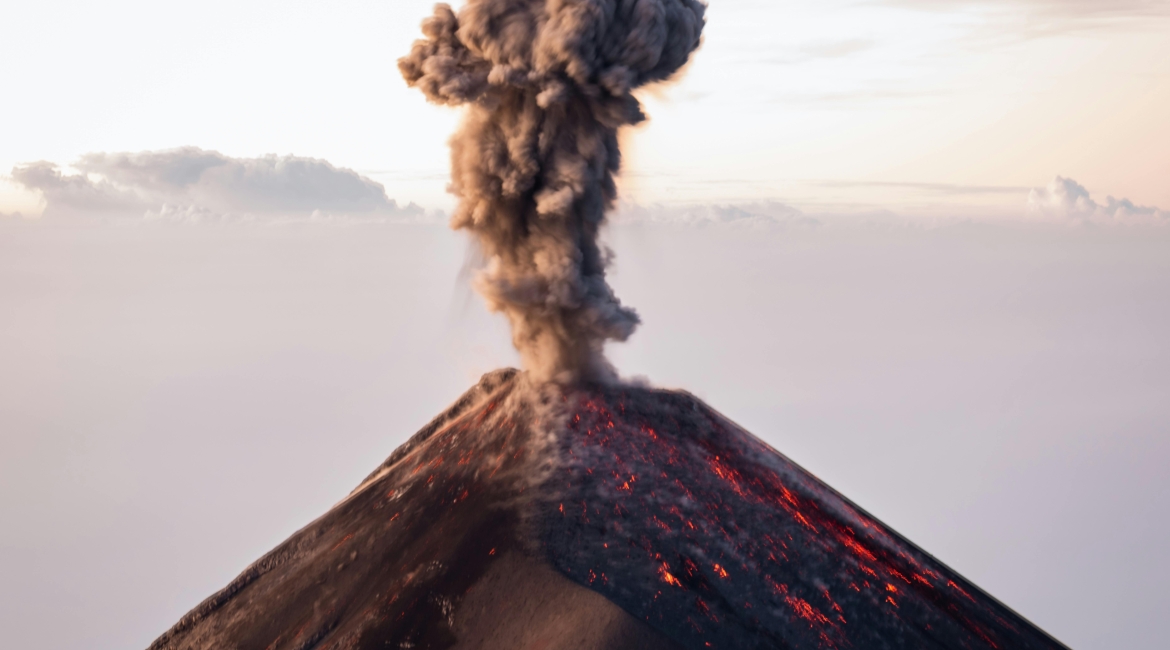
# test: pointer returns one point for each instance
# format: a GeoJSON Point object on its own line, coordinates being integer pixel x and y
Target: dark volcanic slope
{"type": "Point", "coordinates": [692, 524]}
{"type": "Point", "coordinates": [673, 527]}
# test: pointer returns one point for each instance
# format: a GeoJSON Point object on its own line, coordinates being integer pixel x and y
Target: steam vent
{"type": "Point", "coordinates": [541, 516]}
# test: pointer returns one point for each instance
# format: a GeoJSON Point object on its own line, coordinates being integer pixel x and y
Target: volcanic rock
{"type": "Point", "coordinates": [591, 517]}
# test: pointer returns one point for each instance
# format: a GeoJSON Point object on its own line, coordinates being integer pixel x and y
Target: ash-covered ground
{"type": "Point", "coordinates": [595, 517]}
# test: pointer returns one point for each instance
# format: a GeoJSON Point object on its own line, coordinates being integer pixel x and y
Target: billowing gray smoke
{"type": "Point", "coordinates": [547, 84]}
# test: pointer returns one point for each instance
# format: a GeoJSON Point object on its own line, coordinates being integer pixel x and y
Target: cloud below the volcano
{"type": "Point", "coordinates": [193, 184]}
{"type": "Point", "coordinates": [1066, 198]}
{"type": "Point", "coordinates": [757, 215]}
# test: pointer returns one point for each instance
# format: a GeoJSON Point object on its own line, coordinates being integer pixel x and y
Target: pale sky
{"type": "Point", "coordinates": [915, 107]}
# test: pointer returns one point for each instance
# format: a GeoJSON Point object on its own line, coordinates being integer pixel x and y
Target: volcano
{"type": "Point", "coordinates": [537, 515]}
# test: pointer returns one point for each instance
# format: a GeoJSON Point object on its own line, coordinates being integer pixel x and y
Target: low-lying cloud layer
{"type": "Point", "coordinates": [1074, 9]}
{"type": "Point", "coordinates": [1007, 21]}
{"type": "Point", "coordinates": [1066, 198]}
{"type": "Point", "coordinates": [191, 184]}
{"type": "Point", "coordinates": [1063, 201]}
{"type": "Point", "coordinates": [765, 214]}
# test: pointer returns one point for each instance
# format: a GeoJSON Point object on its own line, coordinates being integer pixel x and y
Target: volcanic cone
{"type": "Point", "coordinates": [549, 516]}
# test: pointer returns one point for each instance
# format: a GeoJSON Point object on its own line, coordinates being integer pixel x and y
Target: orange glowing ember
{"type": "Point", "coordinates": [667, 577]}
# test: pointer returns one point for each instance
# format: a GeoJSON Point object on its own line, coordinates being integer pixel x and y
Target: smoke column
{"type": "Point", "coordinates": [547, 85]}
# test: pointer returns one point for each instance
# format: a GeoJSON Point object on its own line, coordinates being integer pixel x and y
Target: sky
{"type": "Point", "coordinates": [872, 104]}
{"type": "Point", "coordinates": [922, 248]}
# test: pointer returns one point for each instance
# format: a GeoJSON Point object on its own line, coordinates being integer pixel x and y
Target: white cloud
{"type": "Point", "coordinates": [1077, 9]}
{"type": "Point", "coordinates": [1067, 198]}
{"type": "Point", "coordinates": [748, 215]}
{"type": "Point", "coordinates": [191, 184]}
{"type": "Point", "coordinates": [1008, 21]}
{"type": "Point", "coordinates": [814, 51]}
{"type": "Point", "coordinates": [1063, 202]}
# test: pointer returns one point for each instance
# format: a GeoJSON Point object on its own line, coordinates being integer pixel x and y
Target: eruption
{"type": "Point", "coordinates": [547, 85]}
{"type": "Point", "coordinates": [553, 509]}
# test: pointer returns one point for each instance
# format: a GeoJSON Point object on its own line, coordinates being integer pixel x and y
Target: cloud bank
{"type": "Point", "coordinates": [765, 214]}
{"type": "Point", "coordinates": [1074, 9]}
{"type": "Point", "coordinates": [1063, 201]}
{"type": "Point", "coordinates": [1006, 21]}
{"type": "Point", "coordinates": [1066, 198]}
{"type": "Point", "coordinates": [192, 184]}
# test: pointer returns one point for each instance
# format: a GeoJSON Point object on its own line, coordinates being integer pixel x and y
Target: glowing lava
{"type": "Point", "coordinates": [758, 552]}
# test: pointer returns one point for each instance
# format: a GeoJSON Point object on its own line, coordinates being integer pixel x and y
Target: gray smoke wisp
{"type": "Point", "coordinates": [547, 84]}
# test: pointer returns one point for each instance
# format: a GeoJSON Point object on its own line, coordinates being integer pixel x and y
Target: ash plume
{"type": "Point", "coordinates": [547, 84]}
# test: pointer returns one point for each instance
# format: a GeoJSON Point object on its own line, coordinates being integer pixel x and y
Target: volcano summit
{"type": "Point", "coordinates": [544, 516]}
